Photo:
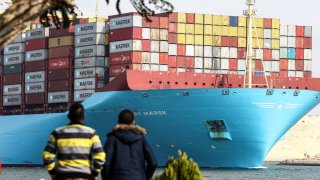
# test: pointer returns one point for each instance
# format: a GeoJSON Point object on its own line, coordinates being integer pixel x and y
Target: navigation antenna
{"type": "Point", "coordinates": [251, 14]}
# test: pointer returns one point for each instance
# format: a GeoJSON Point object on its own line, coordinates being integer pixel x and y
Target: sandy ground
{"type": "Point", "coordinates": [303, 138]}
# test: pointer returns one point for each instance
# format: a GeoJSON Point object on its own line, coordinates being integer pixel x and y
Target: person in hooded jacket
{"type": "Point", "coordinates": [129, 155]}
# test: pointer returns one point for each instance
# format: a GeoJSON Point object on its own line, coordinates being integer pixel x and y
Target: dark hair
{"type": "Point", "coordinates": [126, 117]}
{"type": "Point", "coordinates": [76, 112]}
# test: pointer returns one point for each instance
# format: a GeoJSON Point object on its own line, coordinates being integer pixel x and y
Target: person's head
{"type": "Point", "coordinates": [126, 117]}
{"type": "Point", "coordinates": [76, 113]}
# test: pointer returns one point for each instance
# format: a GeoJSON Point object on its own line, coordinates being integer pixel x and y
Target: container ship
{"type": "Point", "coordinates": [224, 89]}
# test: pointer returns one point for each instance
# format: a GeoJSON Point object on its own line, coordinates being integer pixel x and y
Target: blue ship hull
{"type": "Point", "coordinates": [176, 119]}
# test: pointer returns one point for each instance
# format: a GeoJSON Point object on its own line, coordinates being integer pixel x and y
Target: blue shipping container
{"type": "Point", "coordinates": [259, 73]}
{"type": "Point", "coordinates": [283, 53]}
{"type": "Point", "coordinates": [233, 21]}
{"type": "Point", "coordinates": [291, 53]}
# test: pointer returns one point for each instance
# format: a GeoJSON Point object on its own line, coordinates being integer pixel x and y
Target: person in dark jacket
{"type": "Point", "coordinates": [129, 155]}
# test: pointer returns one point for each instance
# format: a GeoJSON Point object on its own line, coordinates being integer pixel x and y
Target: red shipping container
{"type": "Point", "coordinates": [307, 43]}
{"type": "Point", "coordinates": [172, 69]}
{"type": "Point", "coordinates": [32, 66]}
{"type": "Point", "coordinates": [181, 50]}
{"type": "Point", "coordinates": [172, 61]}
{"type": "Point", "coordinates": [284, 64]}
{"type": "Point", "coordinates": [145, 45]}
{"type": "Point", "coordinates": [125, 34]}
{"type": "Point", "coordinates": [13, 79]}
{"type": "Point", "coordinates": [80, 21]}
{"type": "Point", "coordinates": [274, 74]}
{"type": "Point", "coordinates": [173, 38]}
{"type": "Point", "coordinates": [189, 62]}
{"type": "Point", "coordinates": [181, 61]}
{"type": "Point", "coordinates": [307, 74]}
{"type": "Point", "coordinates": [224, 41]}
{"type": "Point", "coordinates": [62, 85]}
{"type": "Point", "coordinates": [164, 22]}
{"type": "Point", "coordinates": [267, 23]}
{"type": "Point", "coordinates": [59, 74]}
{"type": "Point", "coordinates": [300, 54]}
{"type": "Point", "coordinates": [145, 23]}
{"type": "Point", "coordinates": [173, 17]}
{"type": "Point", "coordinates": [54, 32]}
{"type": "Point", "coordinates": [233, 64]}
{"type": "Point", "coordinates": [36, 44]}
{"type": "Point", "coordinates": [258, 65]}
{"type": "Point", "coordinates": [173, 27]}
{"type": "Point", "coordinates": [125, 58]}
{"type": "Point", "coordinates": [63, 51]}
{"type": "Point", "coordinates": [267, 54]}
{"type": "Point", "coordinates": [163, 58]}
{"type": "Point", "coordinates": [299, 65]}
{"type": "Point", "coordinates": [299, 31]}
{"type": "Point", "coordinates": [283, 74]}
{"type": "Point", "coordinates": [35, 98]}
{"type": "Point", "coordinates": [299, 42]}
{"type": "Point", "coordinates": [233, 41]}
{"type": "Point", "coordinates": [241, 53]}
{"type": "Point", "coordinates": [155, 22]}
{"type": "Point", "coordinates": [60, 63]}
{"type": "Point", "coordinates": [190, 18]}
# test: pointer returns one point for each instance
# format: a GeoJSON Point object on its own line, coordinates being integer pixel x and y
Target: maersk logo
{"type": "Point", "coordinates": [151, 113]}
{"type": "Point", "coordinates": [86, 39]}
{"type": "Point", "coordinates": [12, 100]}
{"type": "Point", "coordinates": [35, 87]}
{"type": "Point", "coordinates": [58, 96]}
{"type": "Point", "coordinates": [36, 76]}
{"type": "Point", "coordinates": [86, 73]}
{"type": "Point", "coordinates": [121, 46]}
{"type": "Point", "coordinates": [121, 22]}
{"type": "Point", "coordinates": [86, 83]}
{"type": "Point", "coordinates": [36, 33]}
{"type": "Point", "coordinates": [12, 59]}
{"type": "Point", "coordinates": [38, 54]}
{"type": "Point", "coordinates": [87, 28]}
{"type": "Point", "coordinates": [86, 51]}
{"type": "Point", "coordinates": [84, 95]}
{"type": "Point", "coordinates": [13, 89]}
{"type": "Point", "coordinates": [14, 48]}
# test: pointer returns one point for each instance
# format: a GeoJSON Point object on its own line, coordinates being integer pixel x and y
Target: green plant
{"type": "Point", "coordinates": [181, 168]}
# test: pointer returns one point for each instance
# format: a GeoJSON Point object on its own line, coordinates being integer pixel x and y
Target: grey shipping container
{"type": "Point", "coordinates": [13, 59]}
{"type": "Point", "coordinates": [90, 28]}
{"type": "Point", "coordinates": [37, 87]}
{"type": "Point", "coordinates": [89, 62]}
{"type": "Point", "coordinates": [37, 55]}
{"type": "Point", "coordinates": [82, 95]}
{"type": "Point", "coordinates": [14, 89]}
{"type": "Point", "coordinates": [21, 37]}
{"type": "Point", "coordinates": [12, 69]}
{"type": "Point", "coordinates": [90, 51]}
{"type": "Point", "coordinates": [15, 48]}
{"type": "Point", "coordinates": [37, 33]}
{"type": "Point", "coordinates": [13, 100]}
{"type": "Point", "coordinates": [89, 39]}
{"type": "Point", "coordinates": [58, 97]}
{"type": "Point", "coordinates": [38, 76]}
{"type": "Point", "coordinates": [89, 72]}
{"type": "Point", "coordinates": [83, 84]}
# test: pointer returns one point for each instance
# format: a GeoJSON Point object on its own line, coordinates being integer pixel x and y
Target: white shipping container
{"type": "Point", "coordinates": [299, 74]}
{"type": "Point", "coordinates": [198, 51]}
{"type": "Point", "coordinates": [13, 100]}
{"type": "Point", "coordinates": [155, 67]}
{"type": "Point", "coordinates": [216, 71]}
{"type": "Point", "coordinates": [258, 53]}
{"type": "Point", "coordinates": [198, 62]}
{"type": "Point", "coordinates": [164, 46]}
{"type": "Point", "coordinates": [189, 50]}
{"type": "Point", "coordinates": [172, 50]}
{"type": "Point", "coordinates": [90, 62]}
{"type": "Point", "coordinates": [216, 63]}
{"type": "Point", "coordinates": [127, 45]}
{"type": "Point", "coordinates": [267, 65]}
{"type": "Point", "coordinates": [37, 87]}
{"type": "Point", "coordinates": [207, 63]}
{"type": "Point", "coordinates": [37, 55]}
{"type": "Point", "coordinates": [155, 58]}
{"type": "Point", "coordinates": [154, 46]}
{"type": "Point", "coordinates": [14, 48]}
{"type": "Point", "coordinates": [233, 52]}
{"type": "Point", "coordinates": [82, 95]}
{"type": "Point", "coordinates": [216, 52]}
{"type": "Point", "coordinates": [145, 33]}
{"type": "Point", "coordinates": [275, 66]}
{"type": "Point", "coordinates": [90, 51]}
{"type": "Point", "coordinates": [181, 70]}
{"type": "Point", "coordinates": [283, 30]}
{"type": "Point", "coordinates": [267, 33]}
{"type": "Point", "coordinates": [164, 68]}
{"type": "Point", "coordinates": [283, 41]}
{"type": "Point", "coordinates": [224, 71]}
{"type": "Point", "coordinates": [225, 64]}
{"type": "Point", "coordinates": [89, 39]}
{"type": "Point", "coordinates": [241, 72]}
{"type": "Point", "coordinates": [292, 30]}
{"type": "Point", "coordinates": [292, 42]}
{"type": "Point", "coordinates": [291, 73]}
{"type": "Point", "coordinates": [291, 65]}
{"type": "Point", "coordinates": [145, 57]}
{"type": "Point", "coordinates": [125, 22]}
{"type": "Point", "coordinates": [267, 43]}
{"type": "Point", "coordinates": [12, 89]}
{"type": "Point", "coordinates": [84, 84]}
{"type": "Point", "coordinates": [198, 70]}
{"type": "Point", "coordinates": [208, 51]}
{"type": "Point", "coordinates": [21, 37]}
{"type": "Point", "coordinates": [13, 59]}
{"type": "Point", "coordinates": [308, 54]}
{"type": "Point", "coordinates": [145, 67]}
{"type": "Point", "coordinates": [164, 34]}
{"type": "Point", "coordinates": [307, 65]}
{"type": "Point", "coordinates": [38, 76]}
{"type": "Point", "coordinates": [276, 55]}
{"type": "Point", "coordinates": [209, 71]}
{"type": "Point", "coordinates": [58, 97]}
{"type": "Point", "coordinates": [308, 31]}
{"type": "Point", "coordinates": [241, 65]}
{"type": "Point", "coordinates": [89, 72]}
{"type": "Point", "coordinates": [37, 33]}
{"type": "Point", "coordinates": [225, 52]}
{"type": "Point", "coordinates": [90, 28]}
